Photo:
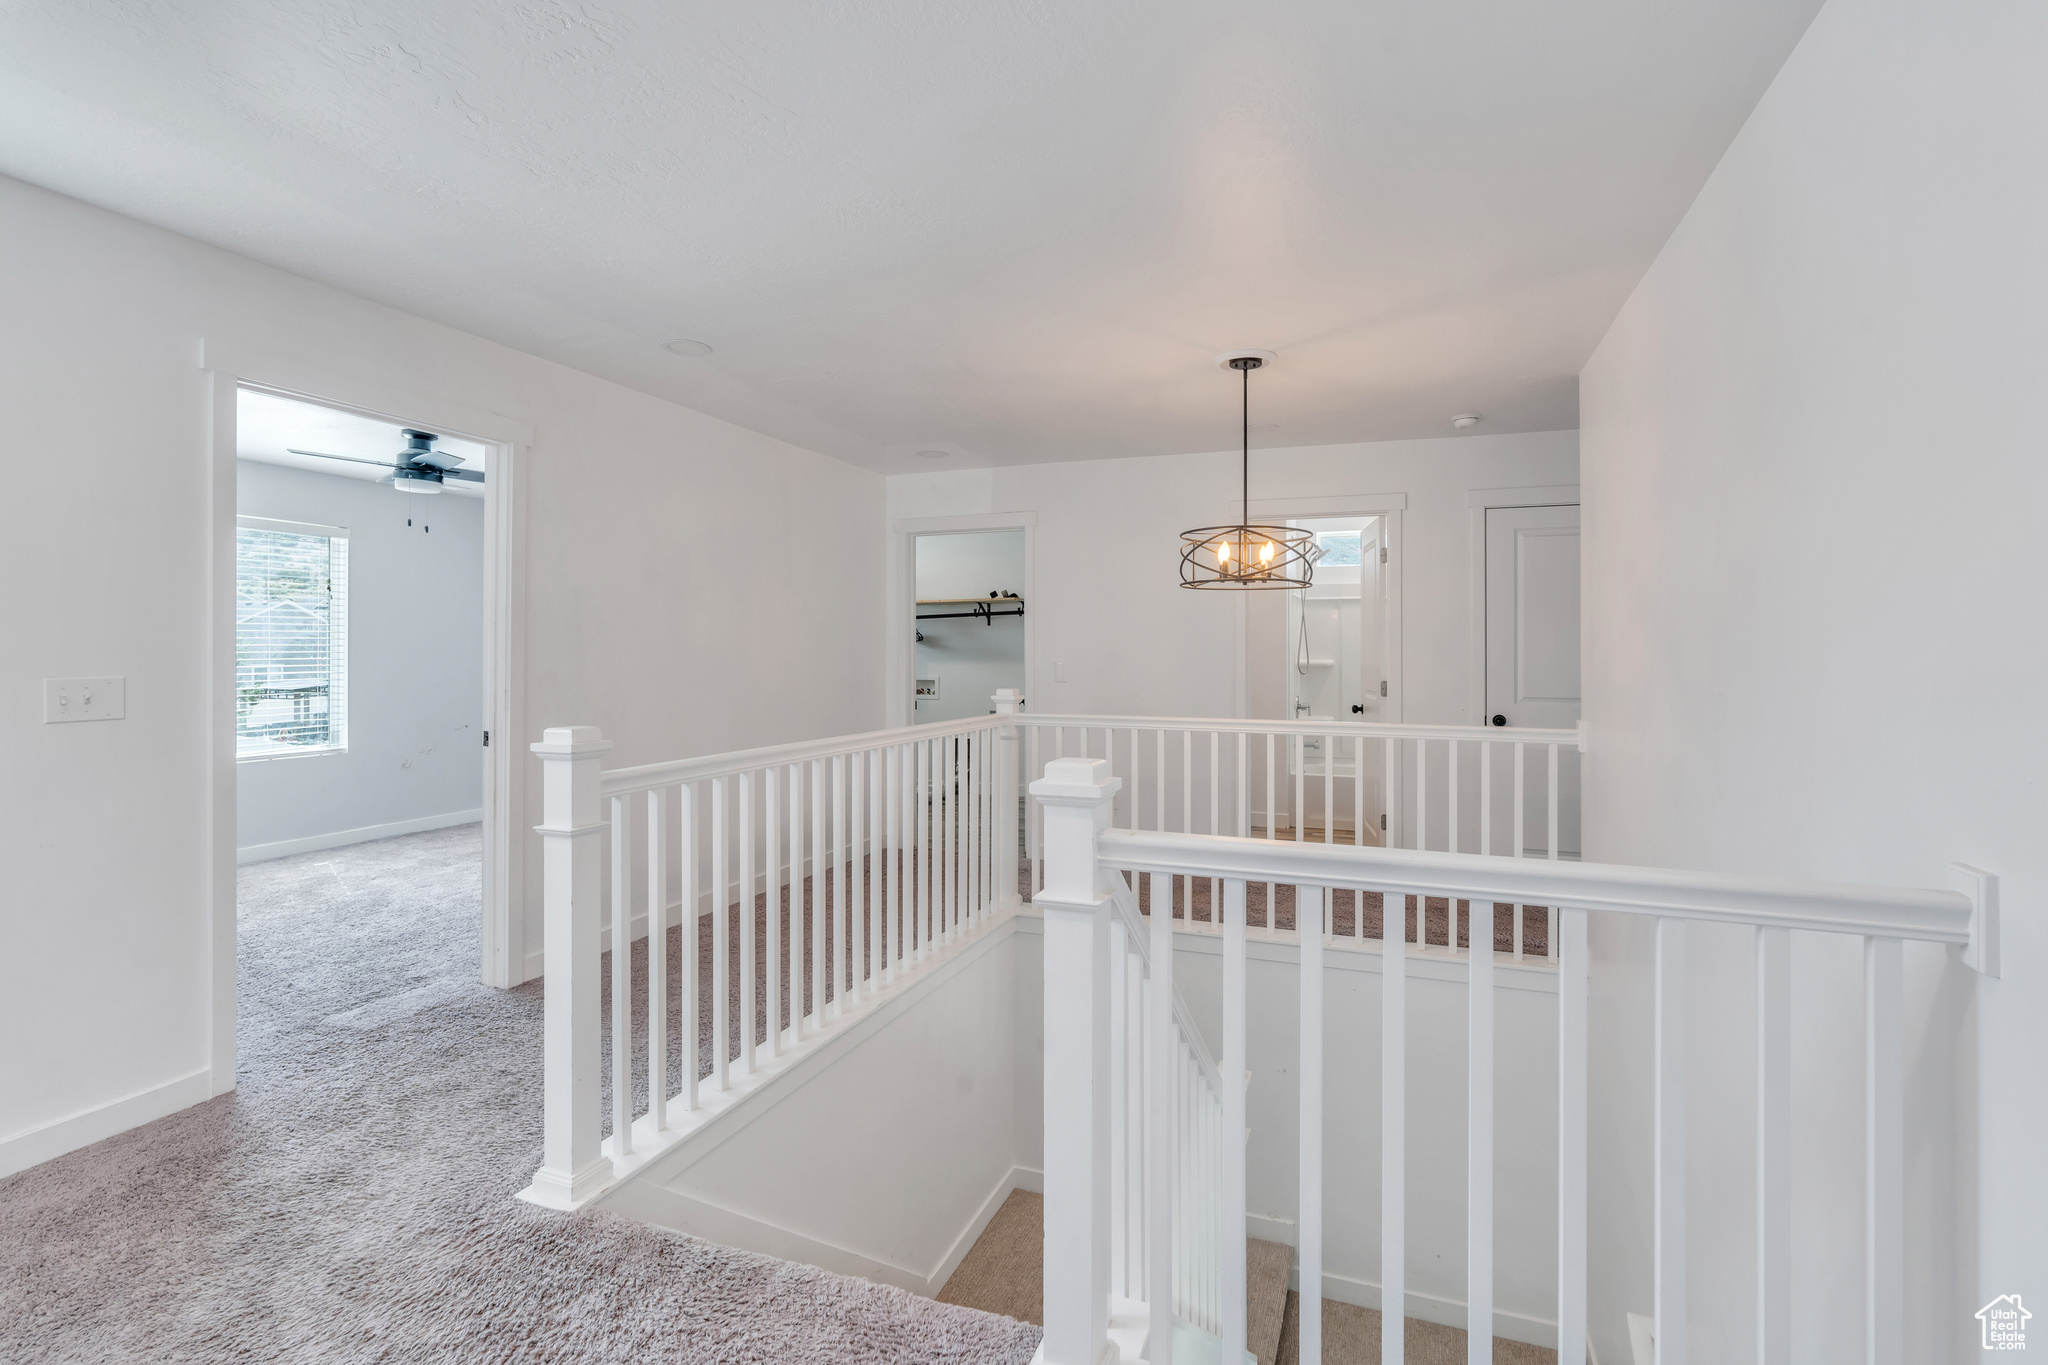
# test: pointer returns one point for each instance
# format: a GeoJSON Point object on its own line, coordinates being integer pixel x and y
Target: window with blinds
{"type": "Point", "coordinates": [291, 638]}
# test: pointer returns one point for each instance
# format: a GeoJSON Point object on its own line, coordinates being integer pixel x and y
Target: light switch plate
{"type": "Point", "coordinates": [84, 699]}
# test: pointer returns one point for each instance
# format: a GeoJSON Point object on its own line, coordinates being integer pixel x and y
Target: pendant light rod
{"type": "Point", "coordinates": [1244, 365]}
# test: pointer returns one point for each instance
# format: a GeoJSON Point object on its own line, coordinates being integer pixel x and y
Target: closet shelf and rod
{"type": "Point", "coordinates": [984, 608]}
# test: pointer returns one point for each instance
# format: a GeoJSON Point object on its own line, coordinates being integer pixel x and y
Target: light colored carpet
{"type": "Point", "coordinates": [1003, 1271]}
{"type": "Point", "coordinates": [1266, 1265]}
{"type": "Point", "coordinates": [1351, 1336]}
{"type": "Point", "coordinates": [352, 1201]}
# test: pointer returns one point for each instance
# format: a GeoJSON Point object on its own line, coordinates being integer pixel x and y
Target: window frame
{"type": "Point", "coordinates": [338, 634]}
{"type": "Point", "coordinates": [1357, 535]}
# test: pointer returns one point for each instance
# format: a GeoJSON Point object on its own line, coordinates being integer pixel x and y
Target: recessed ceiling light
{"type": "Point", "coordinates": [1465, 419]}
{"type": "Point", "coordinates": [931, 454]}
{"type": "Point", "coordinates": [682, 347]}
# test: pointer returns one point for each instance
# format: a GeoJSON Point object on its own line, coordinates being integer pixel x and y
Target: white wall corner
{"type": "Point", "coordinates": [34, 1146]}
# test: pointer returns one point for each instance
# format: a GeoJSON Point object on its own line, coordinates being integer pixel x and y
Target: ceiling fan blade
{"type": "Point", "coordinates": [352, 459]}
{"type": "Point", "coordinates": [466, 475]}
{"type": "Point", "coordinates": [439, 459]}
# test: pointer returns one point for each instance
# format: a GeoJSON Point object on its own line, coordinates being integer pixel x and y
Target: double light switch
{"type": "Point", "coordinates": [84, 699]}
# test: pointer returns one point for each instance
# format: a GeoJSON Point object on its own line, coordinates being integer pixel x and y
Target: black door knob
{"type": "Point", "coordinates": [1357, 709]}
{"type": "Point", "coordinates": [1500, 720]}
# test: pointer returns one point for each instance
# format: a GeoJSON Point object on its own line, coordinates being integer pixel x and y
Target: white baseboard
{"type": "Point", "coordinates": [1363, 1293]}
{"type": "Point", "coordinates": [34, 1146]}
{"type": "Point", "coordinates": [727, 1227]}
{"type": "Point", "coordinates": [700, 1217]}
{"type": "Point", "coordinates": [256, 853]}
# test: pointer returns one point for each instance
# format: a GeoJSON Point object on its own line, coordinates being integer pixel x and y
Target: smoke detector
{"type": "Point", "coordinates": [1465, 419]}
{"type": "Point", "coordinates": [682, 347]}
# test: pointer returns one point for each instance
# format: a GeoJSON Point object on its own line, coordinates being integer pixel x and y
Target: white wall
{"type": "Point", "coordinates": [415, 669]}
{"type": "Point", "coordinates": [887, 1159]}
{"type": "Point", "coordinates": [1814, 645]}
{"type": "Point", "coordinates": [633, 615]}
{"type": "Point", "coordinates": [1107, 597]}
{"type": "Point", "coordinates": [1525, 1091]}
{"type": "Point", "coordinates": [970, 564]}
{"type": "Point", "coordinates": [970, 658]}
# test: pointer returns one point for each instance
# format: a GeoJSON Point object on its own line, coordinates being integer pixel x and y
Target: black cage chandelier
{"type": "Point", "coordinates": [1246, 555]}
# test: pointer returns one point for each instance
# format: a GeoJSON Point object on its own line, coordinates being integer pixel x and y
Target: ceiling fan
{"type": "Point", "coordinates": [420, 467]}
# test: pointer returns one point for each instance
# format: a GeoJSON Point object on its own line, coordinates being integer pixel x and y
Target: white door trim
{"type": "Point", "coordinates": [1479, 501]}
{"type": "Point", "coordinates": [901, 616]}
{"type": "Point", "coordinates": [502, 955]}
{"type": "Point", "coordinates": [1388, 507]}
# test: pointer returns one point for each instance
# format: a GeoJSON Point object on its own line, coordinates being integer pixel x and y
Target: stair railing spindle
{"type": "Point", "coordinates": [657, 960]}
{"type": "Point", "coordinates": [622, 980]}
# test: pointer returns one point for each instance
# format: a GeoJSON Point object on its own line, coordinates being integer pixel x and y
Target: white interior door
{"type": "Point", "coordinates": [1532, 650]}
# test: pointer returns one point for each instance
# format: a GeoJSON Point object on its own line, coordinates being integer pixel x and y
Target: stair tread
{"type": "Point", "coordinates": [1351, 1336]}
{"type": "Point", "coordinates": [1266, 1267]}
{"type": "Point", "coordinates": [1003, 1272]}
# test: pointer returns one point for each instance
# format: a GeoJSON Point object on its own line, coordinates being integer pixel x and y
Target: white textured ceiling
{"type": "Point", "coordinates": [1016, 230]}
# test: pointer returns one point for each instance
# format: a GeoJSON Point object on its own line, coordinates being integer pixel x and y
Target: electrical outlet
{"type": "Point", "coordinates": [84, 699]}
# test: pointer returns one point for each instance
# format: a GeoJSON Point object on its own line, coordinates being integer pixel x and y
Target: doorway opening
{"type": "Point", "coordinates": [1321, 654]}
{"type": "Point", "coordinates": [969, 622]}
{"type": "Point", "coordinates": [1336, 667]}
{"type": "Point", "coordinates": [360, 672]}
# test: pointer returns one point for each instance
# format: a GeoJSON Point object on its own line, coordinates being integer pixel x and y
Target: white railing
{"type": "Point", "coordinates": [1163, 1089]}
{"type": "Point", "coordinates": [908, 839]}
{"type": "Point", "coordinates": [1509, 792]}
{"type": "Point", "coordinates": [1085, 859]}
{"type": "Point", "coordinates": [869, 855]}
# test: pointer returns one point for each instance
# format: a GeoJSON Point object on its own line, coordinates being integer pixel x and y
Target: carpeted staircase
{"type": "Point", "coordinates": [1002, 1273]}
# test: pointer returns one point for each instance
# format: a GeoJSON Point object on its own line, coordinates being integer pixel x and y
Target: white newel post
{"type": "Point", "coordinates": [1009, 701]}
{"type": "Point", "coordinates": [1076, 794]}
{"type": "Point", "coordinates": [574, 1167]}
